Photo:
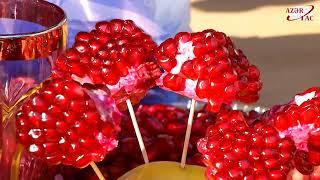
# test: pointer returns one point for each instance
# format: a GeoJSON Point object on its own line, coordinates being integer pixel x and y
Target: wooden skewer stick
{"type": "Point", "coordinates": [188, 133]}
{"type": "Point", "coordinates": [137, 131]}
{"type": "Point", "coordinates": [97, 170]}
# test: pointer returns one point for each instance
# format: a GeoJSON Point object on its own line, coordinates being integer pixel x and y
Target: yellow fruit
{"type": "Point", "coordinates": [165, 170]}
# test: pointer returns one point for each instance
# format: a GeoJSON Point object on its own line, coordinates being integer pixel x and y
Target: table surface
{"type": "Point", "coordinates": [287, 52]}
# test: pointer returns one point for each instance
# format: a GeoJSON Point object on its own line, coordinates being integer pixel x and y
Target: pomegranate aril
{"type": "Point", "coordinates": [48, 95]}
{"type": "Point", "coordinates": [268, 153]}
{"type": "Point", "coordinates": [50, 148]}
{"type": "Point", "coordinates": [287, 144]}
{"type": "Point", "coordinates": [211, 43]}
{"type": "Point", "coordinates": [47, 121]}
{"type": "Point", "coordinates": [83, 37]}
{"type": "Point", "coordinates": [253, 72]}
{"type": "Point", "coordinates": [91, 118]}
{"type": "Point", "coordinates": [244, 164]}
{"type": "Point", "coordinates": [203, 88]}
{"type": "Point", "coordinates": [61, 101]}
{"type": "Point", "coordinates": [77, 106]}
{"type": "Point", "coordinates": [103, 38]}
{"type": "Point", "coordinates": [174, 82]}
{"type": "Point", "coordinates": [285, 157]}
{"type": "Point", "coordinates": [51, 135]}
{"type": "Point", "coordinates": [39, 104]}
{"type": "Point", "coordinates": [34, 119]}
{"type": "Point", "coordinates": [61, 64]}
{"type": "Point", "coordinates": [87, 143]}
{"type": "Point", "coordinates": [122, 67]}
{"type": "Point", "coordinates": [254, 154]}
{"type": "Point", "coordinates": [169, 47]}
{"type": "Point", "coordinates": [110, 76]}
{"type": "Point", "coordinates": [128, 26]}
{"type": "Point", "coordinates": [183, 37]}
{"type": "Point", "coordinates": [199, 49]}
{"type": "Point", "coordinates": [272, 163]}
{"type": "Point", "coordinates": [271, 141]}
{"type": "Point", "coordinates": [103, 26]}
{"type": "Point", "coordinates": [258, 168]}
{"type": "Point", "coordinates": [167, 63]}
{"type": "Point", "coordinates": [116, 25]}
{"type": "Point", "coordinates": [82, 47]}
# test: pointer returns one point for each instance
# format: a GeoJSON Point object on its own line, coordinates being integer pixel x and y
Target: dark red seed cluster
{"type": "Point", "coordinates": [163, 130]}
{"type": "Point", "coordinates": [116, 53]}
{"type": "Point", "coordinates": [234, 150]}
{"type": "Point", "coordinates": [62, 123]}
{"type": "Point", "coordinates": [300, 120]}
{"type": "Point", "coordinates": [206, 66]}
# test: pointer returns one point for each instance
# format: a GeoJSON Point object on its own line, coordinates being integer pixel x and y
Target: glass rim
{"type": "Point", "coordinates": [41, 32]}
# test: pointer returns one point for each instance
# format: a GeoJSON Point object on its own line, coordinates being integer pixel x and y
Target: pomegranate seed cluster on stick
{"type": "Point", "coordinates": [206, 66]}
{"type": "Point", "coordinates": [300, 120]}
{"type": "Point", "coordinates": [234, 149]}
{"type": "Point", "coordinates": [64, 122]}
{"type": "Point", "coordinates": [281, 143]}
{"type": "Point", "coordinates": [117, 54]}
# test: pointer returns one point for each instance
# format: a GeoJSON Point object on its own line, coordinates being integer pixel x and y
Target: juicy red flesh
{"type": "Point", "coordinates": [117, 54]}
{"type": "Point", "coordinates": [163, 130]}
{"type": "Point", "coordinates": [206, 66]}
{"type": "Point", "coordinates": [300, 120]}
{"type": "Point", "coordinates": [60, 123]}
{"type": "Point", "coordinates": [232, 149]}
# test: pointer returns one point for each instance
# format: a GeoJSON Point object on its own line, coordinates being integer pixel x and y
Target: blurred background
{"type": "Point", "coordinates": [287, 52]}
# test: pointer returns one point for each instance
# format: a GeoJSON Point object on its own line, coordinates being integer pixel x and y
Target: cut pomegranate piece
{"type": "Point", "coordinates": [116, 54]}
{"type": "Point", "coordinates": [206, 66]}
{"type": "Point", "coordinates": [64, 122]}
{"type": "Point", "coordinates": [300, 120]}
{"type": "Point", "coordinates": [233, 149]}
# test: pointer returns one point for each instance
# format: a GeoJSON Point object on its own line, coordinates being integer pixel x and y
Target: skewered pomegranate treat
{"type": "Point", "coordinates": [234, 149]}
{"type": "Point", "coordinates": [64, 122]}
{"type": "Point", "coordinates": [116, 54]}
{"type": "Point", "coordinates": [206, 66]}
{"type": "Point", "coordinates": [300, 120]}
